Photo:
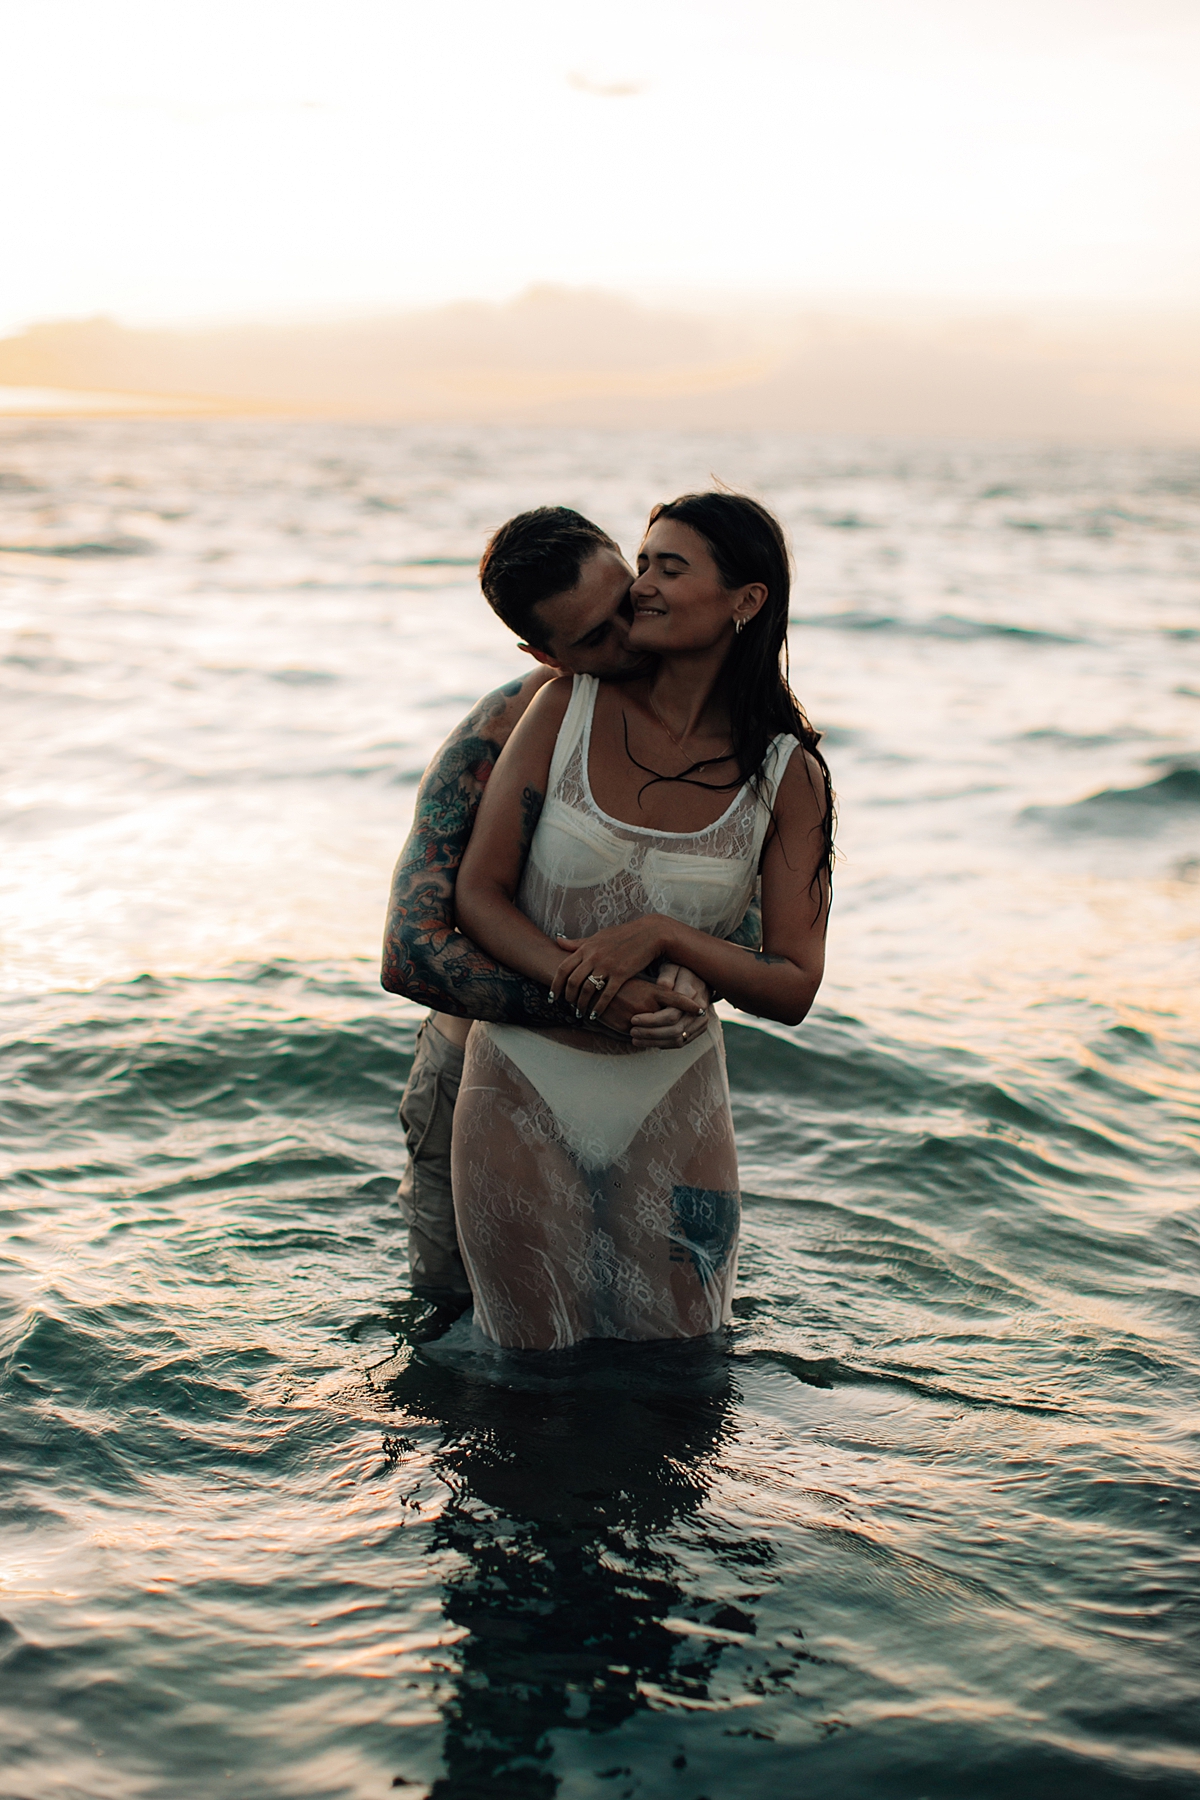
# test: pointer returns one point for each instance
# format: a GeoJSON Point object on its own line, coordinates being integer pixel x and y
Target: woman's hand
{"type": "Point", "coordinates": [598, 966]}
{"type": "Point", "coordinates": [671, 1028]}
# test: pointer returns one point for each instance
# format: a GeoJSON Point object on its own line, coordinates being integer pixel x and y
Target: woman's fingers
{"type": "Point", "coordinates": [666, 1030]}
{"type": "Point", "coordinates": [595, 1002]}
{"type": "Point", "coordinates": [563, 978]}
{"type": "Point", "coordinates": [572, 981]}
{"type": "Point", "coordinates": [655, 1031]}
{"type": "Point", "coordinates": [686, 982]}
{"type": "Point", "coordinates": [649, 1021]}
{"type": "Point", "coordinates": [590, 989]}
{"type": "Point", "coordinates": [642, 999]}
{"type": "Point", "coordinates": [587, 987]}
{"type": "Point", "coordinates": [684, 1003]}
{"type": "Point", "coordinates": [672, 1011]}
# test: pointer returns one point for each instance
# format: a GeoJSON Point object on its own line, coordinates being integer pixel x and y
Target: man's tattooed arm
{"type": "Point", "coordinates": [425, 957]}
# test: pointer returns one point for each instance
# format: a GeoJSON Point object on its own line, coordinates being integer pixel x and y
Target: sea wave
{"type": "Point", "coordinates": [274, 1525]}
{"type": "Point", "coordinates": [120, 545]}
{"type": "Point", "coordinates": [944, 625]}
{"type": "Point", "coordinates": [253, 1426]}
{"type": "Point", "coordinates": [1173, 797]}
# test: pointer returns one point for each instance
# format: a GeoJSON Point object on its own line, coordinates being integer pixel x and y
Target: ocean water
{"type": "Point", "coordinates": [926, 1524]}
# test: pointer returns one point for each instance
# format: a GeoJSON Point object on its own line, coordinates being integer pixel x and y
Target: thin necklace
{"type": "Point", "coordinates": [678, 742]}
{"type": "Point", "coordinates": [687, 776]}
{"type": "Point", "coordinates": [696, 768]}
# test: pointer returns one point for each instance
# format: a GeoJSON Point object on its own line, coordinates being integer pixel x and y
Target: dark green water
{"type": "Point", "coordinates": [924, 1525]}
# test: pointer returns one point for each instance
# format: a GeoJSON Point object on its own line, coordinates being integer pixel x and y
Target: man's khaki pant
{"type": "Point", "coordinates": [427, 1115]}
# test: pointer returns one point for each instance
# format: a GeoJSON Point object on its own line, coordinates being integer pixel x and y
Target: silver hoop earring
{"type": "Point", "coordinates": [737, 627]}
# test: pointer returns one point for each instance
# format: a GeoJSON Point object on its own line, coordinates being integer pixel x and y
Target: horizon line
{"type": "Point", "coordinates": [712, 302]}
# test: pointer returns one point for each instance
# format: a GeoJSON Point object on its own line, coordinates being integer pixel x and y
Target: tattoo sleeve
{"type": "Point", "coordinates": [425, 956]}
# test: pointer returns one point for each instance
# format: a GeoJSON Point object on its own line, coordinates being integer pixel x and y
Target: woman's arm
{"type": "Point", "coordinates": [424, 956]}
{"type": "Point", "coordinates": [778, 982]}
{"type": "Point", "coordinates": [491, 869]}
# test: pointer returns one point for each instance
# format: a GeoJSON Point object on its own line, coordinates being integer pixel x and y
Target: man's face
{"type": "Point", "coordinates": [587, 628]}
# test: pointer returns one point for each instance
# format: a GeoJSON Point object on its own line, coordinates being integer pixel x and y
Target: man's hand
{"type": "Point", "coordinates": [640, 998]}
{"type": "Point", "coordinates": [671, 1028]}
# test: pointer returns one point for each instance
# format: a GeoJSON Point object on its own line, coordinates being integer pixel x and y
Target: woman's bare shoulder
{"type": "Point", "coordinates": [802, 786]}
{"type": "Point", "coordinates": [551, 701]}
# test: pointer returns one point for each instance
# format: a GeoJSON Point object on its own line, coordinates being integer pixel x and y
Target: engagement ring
{"type": "Point", "coordinates": [597, 981]}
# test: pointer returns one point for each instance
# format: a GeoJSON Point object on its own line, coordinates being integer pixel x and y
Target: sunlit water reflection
{"type": "Point", "coordinates": [926, 1523]}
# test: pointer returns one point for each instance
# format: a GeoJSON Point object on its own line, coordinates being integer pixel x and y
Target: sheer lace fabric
{"type": "Point", "coordinates": [596, 1190]}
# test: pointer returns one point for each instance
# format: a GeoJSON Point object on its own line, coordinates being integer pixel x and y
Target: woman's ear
{"type": "Point", "coordinates": [751, 600]}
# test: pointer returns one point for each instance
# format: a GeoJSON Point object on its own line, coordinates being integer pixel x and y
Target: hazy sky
{"type": "Point", "coordinates": [255, 157]}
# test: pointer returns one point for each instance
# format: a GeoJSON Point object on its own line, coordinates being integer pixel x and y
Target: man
{"type": "Point", "coordinates": [560, 583]}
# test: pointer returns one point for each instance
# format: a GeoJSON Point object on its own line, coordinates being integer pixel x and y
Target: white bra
{"type": "Point", "coordinates": [587, 870]}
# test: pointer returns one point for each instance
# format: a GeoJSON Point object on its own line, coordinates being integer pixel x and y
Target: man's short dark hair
{"type": "Point", "coordinates": [533, 557]}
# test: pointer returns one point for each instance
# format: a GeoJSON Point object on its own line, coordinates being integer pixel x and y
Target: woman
{"type": "Point", "coordinates": [625, 824]}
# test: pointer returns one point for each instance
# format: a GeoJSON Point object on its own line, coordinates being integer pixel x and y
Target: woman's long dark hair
{"type": "Point", "coordinates": [748, 545]}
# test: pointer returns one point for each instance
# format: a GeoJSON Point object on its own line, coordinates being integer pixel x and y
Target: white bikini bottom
{"type": "Point", "coordinates": [600, 1102]}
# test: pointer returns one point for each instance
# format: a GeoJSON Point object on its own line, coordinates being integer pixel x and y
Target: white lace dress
{"type": "Point", "coordinates": [595, 1185]}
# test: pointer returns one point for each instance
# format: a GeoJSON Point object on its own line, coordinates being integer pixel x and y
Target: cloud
{"type": "Point", "coordinates": [606, 90]}
{"type": "Point", "coordinates": [588, 358]}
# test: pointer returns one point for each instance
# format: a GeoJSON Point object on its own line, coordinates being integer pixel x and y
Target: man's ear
{"type": "Point", "coordinates": [542, 656]}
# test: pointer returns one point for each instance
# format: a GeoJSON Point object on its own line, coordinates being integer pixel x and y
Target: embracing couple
{"type": "Point", "coordinates": [641, 825]}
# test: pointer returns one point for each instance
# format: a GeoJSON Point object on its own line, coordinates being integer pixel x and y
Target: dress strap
{"type": "Point", "coordinates": [579, 711]}
{"type": "Point", "coordinates": [779, 755]}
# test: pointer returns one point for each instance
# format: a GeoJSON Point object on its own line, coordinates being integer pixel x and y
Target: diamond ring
{"type": "Point", "coordinates": [597, 981]}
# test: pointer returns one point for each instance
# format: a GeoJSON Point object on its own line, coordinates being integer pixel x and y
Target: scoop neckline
{"type": "Point", "coordinates": [623, 824]}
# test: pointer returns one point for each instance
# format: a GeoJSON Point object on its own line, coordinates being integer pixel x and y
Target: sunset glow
{"type": "Point", "coordinates": [274, 160]}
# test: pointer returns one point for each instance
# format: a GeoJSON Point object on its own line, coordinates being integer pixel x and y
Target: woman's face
{"type": "Point", "coordinates": [679, 601]}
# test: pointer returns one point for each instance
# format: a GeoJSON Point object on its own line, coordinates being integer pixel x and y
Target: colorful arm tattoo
{"type": "Point", "coordinates": [425, 956]}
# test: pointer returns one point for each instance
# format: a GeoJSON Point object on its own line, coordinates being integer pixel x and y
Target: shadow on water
{"type": "Point", "coordinates": [567, 1474]}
